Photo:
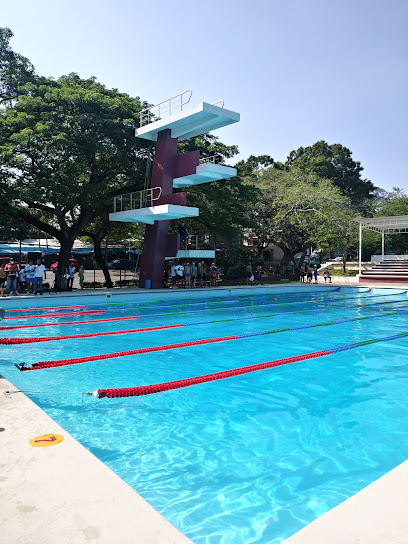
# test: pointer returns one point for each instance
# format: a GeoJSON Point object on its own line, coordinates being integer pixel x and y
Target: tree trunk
{"type": "Point", "coordinates": [63, 263]}
{"type": "Point", "coordinates": [100, 261]}
{"type": "Point", "coordinates": [289, 255]}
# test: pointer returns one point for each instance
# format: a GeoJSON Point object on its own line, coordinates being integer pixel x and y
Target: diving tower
{"type": "Point", "coordinates": [167, 123]}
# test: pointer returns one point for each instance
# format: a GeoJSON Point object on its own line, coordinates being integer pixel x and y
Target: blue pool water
{"type": "Point", "coordinates": [249, 459]}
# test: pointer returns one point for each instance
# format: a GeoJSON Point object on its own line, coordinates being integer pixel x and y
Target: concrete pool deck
{"type": "Point", "coordinates": [65, 494]}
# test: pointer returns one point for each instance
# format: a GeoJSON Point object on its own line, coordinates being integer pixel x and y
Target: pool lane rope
{"type": "Point", "coordinates": [178, 384]}
{"type": "Point", "coordinates": [47, 308]}
{"type": "Point", "coordinates": [10, 327]}
{"type": "Point", "coordinates": [94, 312]}
{"type": "Point", "coordinates": [89, 335]}
{"type": "Point", "coordinates": [185, 302]}
{"type": "Point", "coordinates": [10, 341]}
{"type": "Point", "coordinates": [101, 311]}
{"type": "Point", "coordinates": [78, 360]}
{"type": "Point", "coordinates": [251, 316]}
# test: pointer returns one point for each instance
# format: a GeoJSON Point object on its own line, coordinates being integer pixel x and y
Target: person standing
{"type": "Point", "coordinates": [173, 275]}
{"type": "Point", "coordinates": [39, 273]}
{"type": "Point", "coordinates": [302, 274]}
{"type": "Point", "coordinates": [187, 275]}
{"type": "Point", "coordinates": [194, 274]}
{"type": "Point", "coordinates": [248, 272]}
{"type": "Point", "coordinates": [12, 274]}
{"type": "Point", "coordinates": [183, 234]}
{"type": "Point", "coordinates": [213, 275]}
{"type": "Point", "coordinates": [22, 281]}
{"type": "Point", "coordinates": [3, 275]}
{"type": "Point", "coordinates": [81, 276]}
{"type": "Point", "coordinates": [258, 274]}
{"type": "Point", "coordinates": [315, 273]}
{"type": "Point", "coordinates": [71, 275]}
{"type": "Point", "coordinates": [29, 272]}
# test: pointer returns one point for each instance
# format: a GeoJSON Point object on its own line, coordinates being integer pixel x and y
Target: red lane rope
{"type": "Point", "coordinates": [56, 315]}
{"type": "Point", "coordinates": [89, 335]}
{"type": "Point", "coordinates": [76, 361]}
{"type": "Point", "coordinates": [50, 308]}
{"type": "Point", "coordinates": [178, 384]}
{"type": "Point", "coordinates": [69, 323]}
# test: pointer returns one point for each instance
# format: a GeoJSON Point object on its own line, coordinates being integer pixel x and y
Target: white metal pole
{"type": "Point", "coordinates": [360, 245]}
{"type": "Point", "coordinates": [382, 244]}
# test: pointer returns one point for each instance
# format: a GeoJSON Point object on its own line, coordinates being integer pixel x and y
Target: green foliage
{"type": "Point", "coordinates": [15, 70]}
{"type": "Point", "coordinates": [334, 162]}
{"type": "Point", "coordinates": [67, 147]}
{"type": "Point", "coordinates": [297, 211]}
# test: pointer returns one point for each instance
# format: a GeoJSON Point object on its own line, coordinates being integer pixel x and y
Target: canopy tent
{"type": "Point", "coordinates": [14, 249]}
{"type": "Point", "coordinates": [396, 224]}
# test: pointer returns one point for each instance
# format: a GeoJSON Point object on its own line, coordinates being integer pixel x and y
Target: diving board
{"type": "Point", "coordinates": [163, 212]}
{"type": "Point", "coordinates": [198, 119]}
{"type": "Point", "coordinates": [205, 173]}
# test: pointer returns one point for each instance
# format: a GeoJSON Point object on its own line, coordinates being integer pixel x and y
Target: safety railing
{"type": "Point", "coordinates": [198, 241]}
{"type": "Point", "coordinates": [221, 102]}
{"type": "Point", "coordinates": [214, 159]}
{"type": "Point", "coordinates": [139, 199]}
{"type": "Point", "coordinates": [165, 108]}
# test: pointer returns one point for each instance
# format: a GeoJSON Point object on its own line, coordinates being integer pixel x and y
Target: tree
{"type": "Point", "coordinates": [15, 70]}
{"type": "Point", "coordinates": [334, 162]}
{"type": "Point", "coordinates": [67, 147]}
{"type": "Point", "coordinates": [296, 211]}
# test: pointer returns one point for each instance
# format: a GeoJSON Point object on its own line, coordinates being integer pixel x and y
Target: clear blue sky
{"type": "Point", "coordinates": [298, 71]}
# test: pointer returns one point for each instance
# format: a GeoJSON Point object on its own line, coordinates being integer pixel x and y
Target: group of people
{"type": "Point", "coordinates": [309, 273]}
{"type": "Point", "coordinates": [70, 275]}
{"type": "Point", "coordinates": [16, 280]}
{"type": "Point", "coordinates": [193, 275]}
{"type": "Point", "coordinates": [250, 276]}
{"type": "Point", "coordinates": [30, 277]}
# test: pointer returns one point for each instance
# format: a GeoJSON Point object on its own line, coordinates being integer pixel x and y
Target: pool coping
{"type": "Point", "coordinates": [52, 497]}
{"type": "Point", "coordinates": [375, 515]}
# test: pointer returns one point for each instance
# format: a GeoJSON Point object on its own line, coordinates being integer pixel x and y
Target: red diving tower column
{"type": "Point", "coordinates": [158, 244]}
{"type": "Point", "coordinates": [157, 205]}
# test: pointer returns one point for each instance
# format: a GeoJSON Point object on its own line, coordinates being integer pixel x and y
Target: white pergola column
{"type": "Point", "coordinates": [382, 244]}
{"type": "Point", "coordinates": [360, 245]}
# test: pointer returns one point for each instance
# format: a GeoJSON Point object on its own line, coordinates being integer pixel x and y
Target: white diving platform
{"type": "Point", "coordinates": [193, 254]}
{"type": "Point", "coordinates": [164, 212]}
{"type": "Point", "coordinates": [198, 119]}
{"type": "Point", "coordinates": [204, 174]}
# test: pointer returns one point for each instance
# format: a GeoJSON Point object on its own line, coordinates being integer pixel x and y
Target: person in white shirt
{"type": "Point", "coordinates": [173, 274]}
{"type": "Point", "coordinates": [70, 277]}
{"type": "Point", "coordinates": [39, 271]}
{"type": "Point", "coordinates": [29, 274]}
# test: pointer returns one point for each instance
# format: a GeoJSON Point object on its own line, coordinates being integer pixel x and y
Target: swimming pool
{"type": "Point", "coordinates": [252, 458]}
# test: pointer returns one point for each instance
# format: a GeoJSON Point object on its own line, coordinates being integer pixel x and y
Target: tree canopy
{"type": "Point", "coordinates": [67, 147]}
{"type": "Point", "coordinates": [334, 162]}
{"type": "Point", "coordinates": [297, 211]}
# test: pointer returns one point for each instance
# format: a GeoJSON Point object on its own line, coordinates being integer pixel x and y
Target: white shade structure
{"type": "Point", "coordinates": [396, 224]}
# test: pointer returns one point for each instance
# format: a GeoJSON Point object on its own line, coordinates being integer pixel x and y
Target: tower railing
{"type": "Point", "coordinates": [166, 108]}
{"type": "Point", "coordinates": [214, 159]}
{"type": "Point", "coordinates": [198, 241]}
{"type": "Point", "coordinates": [136, 200]}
